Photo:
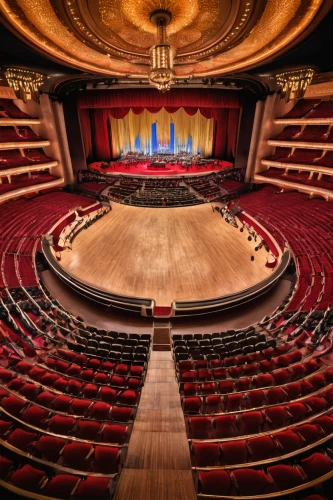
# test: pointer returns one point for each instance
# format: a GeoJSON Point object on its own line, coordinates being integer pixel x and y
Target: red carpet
{"type": "Point", "coordinates": [143, 169]}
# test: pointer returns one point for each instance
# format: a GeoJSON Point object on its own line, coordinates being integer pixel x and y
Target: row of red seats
{"type": "Point", "coordinates": [25, 180]}
{"type": "Point", "coordinates": [294, 214]}
{"type": "Point", "coordinates": [266, 446]}
{"type": "Point", "coordinates": [12, 158]}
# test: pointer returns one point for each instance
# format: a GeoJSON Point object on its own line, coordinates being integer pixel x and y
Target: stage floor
{"type": "Point", "coordinates": [172, 170]}
{"type": "Point", "coordinates": [165, 254]}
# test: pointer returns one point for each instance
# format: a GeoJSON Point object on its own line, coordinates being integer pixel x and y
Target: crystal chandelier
{"type": "Point", "coordinates": [25, 83]}
{"type": "Point", "coordinates": [292, 84]}
{"type": "Point", "coordinates": [161, 57]}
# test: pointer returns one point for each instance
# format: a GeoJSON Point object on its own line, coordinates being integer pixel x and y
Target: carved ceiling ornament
{"type": "Point", "coordinates": [208, 37]}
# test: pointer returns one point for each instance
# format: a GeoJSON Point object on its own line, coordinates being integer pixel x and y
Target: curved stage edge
{"type": "Point", "coordinates": [147, 307]}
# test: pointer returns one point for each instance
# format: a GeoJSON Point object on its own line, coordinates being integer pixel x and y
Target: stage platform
{"type": "Point", "coordinates": [175, 254]}
{"type": "Point", "coordinates": [169, 170]}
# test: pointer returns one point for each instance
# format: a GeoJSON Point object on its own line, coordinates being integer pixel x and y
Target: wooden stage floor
{"type": "Point", "coordinates": [165, 254]}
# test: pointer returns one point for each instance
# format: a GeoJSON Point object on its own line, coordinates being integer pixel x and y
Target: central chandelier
{"type": "Point", "coordinates": [161, 57]}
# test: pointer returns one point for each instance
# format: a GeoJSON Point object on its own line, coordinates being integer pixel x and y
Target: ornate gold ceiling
{"type": "Point", "coordinates": [209, 37]}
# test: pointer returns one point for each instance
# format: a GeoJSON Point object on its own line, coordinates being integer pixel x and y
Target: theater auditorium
{"type": "Point", "coordinates": [166, 249]}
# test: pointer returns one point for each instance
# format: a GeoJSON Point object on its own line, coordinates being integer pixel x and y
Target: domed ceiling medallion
{"type": "Point", "coordinates": [207, 37]}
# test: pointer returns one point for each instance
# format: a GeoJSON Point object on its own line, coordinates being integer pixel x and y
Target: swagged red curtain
{"type": "Point", "coordinates": [96, 107]}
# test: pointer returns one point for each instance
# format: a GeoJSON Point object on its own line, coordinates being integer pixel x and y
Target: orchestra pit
{"type": "Point", "coordinates": [166, 246]}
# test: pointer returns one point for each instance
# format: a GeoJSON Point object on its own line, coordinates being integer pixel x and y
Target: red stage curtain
{"type": "Point", "coordinates": [101, 136]}
{"type": "Point", "coordinates": [152, 98]}
{"type": "Point", "coordinates": [86, 132]}
{"type": "Point", "coordinates": [223, 106]}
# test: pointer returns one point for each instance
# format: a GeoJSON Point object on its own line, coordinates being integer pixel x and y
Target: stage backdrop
{"type": "Point", "coordinates": [151, 132]}
{"type": "Point", "coordinates": [98, 109]}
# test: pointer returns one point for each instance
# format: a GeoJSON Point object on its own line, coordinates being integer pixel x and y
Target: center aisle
{"type": "Point", "coordinates": [158, 460]}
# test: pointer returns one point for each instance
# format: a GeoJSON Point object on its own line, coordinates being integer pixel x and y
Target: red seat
{"type": "Point", "coordinates": [28, 390]}
{"type": "Point", "coordinates": [114, 433]}
{"type": "Point", "coordinates": [80, 406]}
{"type": "Point", "coordinates": [225, 426]}
{"type": "Point", "coordinates": [121, 414]}
{"type": "Point", "coordinates": [5, 466]}
{"type": "Point", "coordinates": [275, 395]}
{"type": "Point", "coordinates": [281, 376]}
{"type": "Point", "coordinates": [285, 477]}
{"type": "Point", "coordinates": [13, 405]}
{"type": "Point", "coordinates": [50, 447]}
{"type": "Point", "coordinates": [297, 411]}
{"type": "Point", "coordinates": [61, 486]}
{"type": "Point", "coordinates": [45, 398]}
{"type": "Point", "coordinates": [243, 384]}
{"type": "Point", "coordinates": [263, 380]}
{"type": "Point", "coordinates": [261, 448]}
{"type": "Point", "coordinates": [4, 427]}
{"type": "Point", "coordinates": [220, 373]}
{"type": "Point", "coordinates": [93, 487]}
{"type": "Point", "coordinates": [61, 384]}
{"type": "Point", "coordinates": [190, 389]}
{"type": "Point", "coordinates": [226, 386]}
{"type": "Point", "coordinates": [236, 371]}
{"type": "Point", "coordinates": [128, 397]}
{"type": "Point", "coordinates": [250, 481]}
{"type": "Point", "coordinates": [251, 422]}
{"type": "Point", "coordinates": [298, 371]}
{"type": "Point", "coordinates": [107, 459]}
{"type": "Point", "coordinates": [213, 404]}
{"type": "Point", "coordinates": [207, 387]}
{"type": "Point", "coordinates": [214, 483]}
{"type": "Point", "coordinates": [107, 366]}
{"type": "Point", "coordinates": [101, 378]}
{"type": "Point", "coordinates": [309, 432]}
{"type": "Point", "coordinates": [75, 455]}
{"type": "Point", "coordinates": [251, 369]}
{"type": "Point", "coordinates": [35, 415]}
{"type": "Point", "coordinates": [87, 375]}
{"type": "Point", "coordinates": [317, 380]}
{"type": "Point", "coordinates": [94, 363]}
{"type": "Point", "coordinates": [200, 427]}
{"type": "Point", "coordinates": [256, 398]}
{"type": "Point", "coordinates": [88, 429]}
{"type": "Point", "coordinates": [316, 465]}
{"type": "Point", "coordinates": [289, 440]}
{"type": "Point", "coordinates": [137, 371]}
{"type": "Point", "coordinates": [49, 379]}
{"type": "Point", "coordinates": [234, 402]}
{"type": "Point", "coordinates": [62, 402]}
{"type": "Point", "coordinates": [36, 373]}
{"type": "Point", "coordinates": [74, 370]}
{"type": "Point", "coordinates": [277, 416]}
{"type": "Point", "coordinates": [118, 381]}
{"type": "Point", "coordinates": [61, 425]}
{"type": "Point", "coordinates": [108, 394]}
{"type": "Point", "coordinates": [234, 452]}
{"type": "Point", "coordinates": [192, 404]}
{"type": "Point", "coordinates": [27, 478]}
{"type": "Point", "coordinates": [316, 403]}
{"type": "Point", "coordinates": [21, 439]}
{"type": "Point", "coordinates": [325, 422]}
{"type": "Point", "coordinates": [100, 410]}
{"type": "Point", "coordinates": [294, 390]}
{"type": "Point", "coordinates": [206, 454]}
{"type": "Point", "coordinates": [90, 390]}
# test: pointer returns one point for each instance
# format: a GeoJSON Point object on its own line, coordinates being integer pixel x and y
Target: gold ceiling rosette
{"type": "Point", "coordinates": [208, 37]}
